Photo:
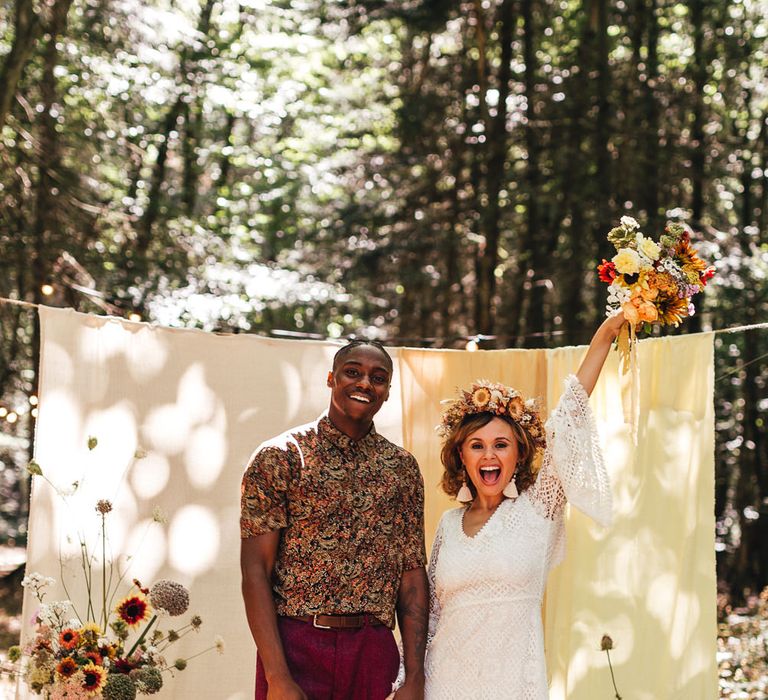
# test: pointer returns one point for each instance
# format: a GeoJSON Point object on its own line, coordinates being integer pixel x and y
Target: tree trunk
{"type": "Point", "coordinates": [28, 28]}
{"type": "Point", "coordinates": [497, 139]}
{"type": "Point", "coordinates": [651, 135]}
{"type": "Point", "coordinates": [699, 77]}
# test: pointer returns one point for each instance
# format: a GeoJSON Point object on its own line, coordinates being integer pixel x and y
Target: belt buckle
{"type": "Point", "coordinates": [318, 626]}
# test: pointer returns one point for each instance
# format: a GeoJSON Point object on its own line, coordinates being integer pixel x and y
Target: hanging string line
{"type": "Point", "coordinates": [318, 336]}
{"type": "Point", "coordinates": [740, 367]}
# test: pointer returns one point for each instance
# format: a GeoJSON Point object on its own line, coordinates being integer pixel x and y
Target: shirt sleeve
{"type": "Point", "coordinates": [414, 548]}
{"type": "Point", "coordinates": [263, 502]}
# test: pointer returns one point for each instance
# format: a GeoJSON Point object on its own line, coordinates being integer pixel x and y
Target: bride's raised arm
{"type": "Point", "coordinates": [573, 468]}
{"type": "Point", "coordinates": [594, 360]}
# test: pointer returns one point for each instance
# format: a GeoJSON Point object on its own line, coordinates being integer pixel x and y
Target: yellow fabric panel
{"type": "Point", "coordinates": [648, 581]}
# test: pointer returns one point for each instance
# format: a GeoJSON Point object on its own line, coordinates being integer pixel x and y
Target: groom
{"type": "Point", "coordinates": [332, 549]}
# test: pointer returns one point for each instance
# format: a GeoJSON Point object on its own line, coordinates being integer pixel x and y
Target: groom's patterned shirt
{"type": "Point", "coordinates": [351, 515]}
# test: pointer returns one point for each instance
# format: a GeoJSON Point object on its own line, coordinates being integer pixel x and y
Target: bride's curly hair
{"type": "Point", "coordinates": [453, 473]}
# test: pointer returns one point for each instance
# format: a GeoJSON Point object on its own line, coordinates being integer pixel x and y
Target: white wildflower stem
{"type": "Point", "coordinates": [128, 559]}
{"type": "Point", "coordinates": [200, 653]}
{"type": "Point", "coordinates": [141, 637]}
{"type": "Point", "coordinates": [88, 575]}
{"type": "Point", "coordinates": [64, 586]}
{"type": "Point", "coordinates": [181, 632]}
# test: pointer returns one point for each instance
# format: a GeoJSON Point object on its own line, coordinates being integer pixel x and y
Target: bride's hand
{"type": "Point", "coordinates": [613, 324]}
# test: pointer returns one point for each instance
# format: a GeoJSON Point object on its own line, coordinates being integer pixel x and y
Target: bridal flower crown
{"type": "Point", "coordinates": [491, 397]}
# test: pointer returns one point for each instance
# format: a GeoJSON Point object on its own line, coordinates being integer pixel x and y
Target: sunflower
{"type": "Point", "coordinates": [672, 310]}
{"type": "Point", "coordinates": [516, 407]}
{"type": "Point", "coordinates": [107, 651]}
{"type": "Point", "coordinates": [94, 657]}
{"type": "Point", "coordinates": [69, 638]}
{"type": "Point", "coordinates": [481, 397]}
{"type": "Point", "coordinates": [93, 678]}
{"type": "Point", "coordinates": [133, 609]}
{"type": "Point", "coordinates": [67, 667]}
{"type": "Point", "coordinates": [90, 633]}
{"type": "Point", "coordinates": [686, 255]}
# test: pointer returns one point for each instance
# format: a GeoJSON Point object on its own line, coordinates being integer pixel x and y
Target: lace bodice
{"type": "Point", "coordinates": [485, 632]}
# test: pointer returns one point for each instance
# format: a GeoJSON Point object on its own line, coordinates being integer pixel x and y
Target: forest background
{"type": "Point", "coordinates": [425, 172]}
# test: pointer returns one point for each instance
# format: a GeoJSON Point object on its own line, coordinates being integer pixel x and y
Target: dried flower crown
{"type": "Point", "coordinates": [491, 397]}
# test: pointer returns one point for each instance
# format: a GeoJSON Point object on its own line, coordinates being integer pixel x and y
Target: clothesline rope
{"type": "Point", "coordinates": [314, 336]}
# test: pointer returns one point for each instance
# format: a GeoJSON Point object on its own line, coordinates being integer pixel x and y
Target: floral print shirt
{"type": "Point", "coordinates": [351, 515]}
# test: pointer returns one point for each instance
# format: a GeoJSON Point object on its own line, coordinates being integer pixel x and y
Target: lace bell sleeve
{"type": "Point", "coordinates": [573, 469]}
{"type": "Point", "coordinates": [434, 603]}
{"type": "Point", "coordinates": [434, 606]}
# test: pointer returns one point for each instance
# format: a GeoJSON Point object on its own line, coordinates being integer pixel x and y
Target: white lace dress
{"type": "Point", "coordinates": [486, 638]}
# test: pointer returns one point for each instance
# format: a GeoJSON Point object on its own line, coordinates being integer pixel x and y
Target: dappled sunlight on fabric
{"type": "Point", "coordinates": [626, 555]}
{"type": "Point", "coordinates": [166, 429]}
{"type": "Point", "coordinates": [292, 385]}
{"type": "Point", "coordinates": [205, 456]}
{"type": "Point", "coordinates": [57, 455]}
{"type": "Point", "coordinates": [115, 430]}
{"type": "Point", "coordinates": [194, 397]}
{"type": "Point", "coordinates": [100, 341]}
{"type": "Point", "coordinates": [147, 355]}
{"type": "Point", "coordinates": [194, 539]}
{"type": "Point", "coordinates": [146, 550]}
{"type": "Point", "coordinates": [676, 611]}
{"type": "Point", "coordinates": [61, 359]}
{"type": "Point", "coordinates": [150, 475]}
{"type": "Point", "coordinates": [680, 435]}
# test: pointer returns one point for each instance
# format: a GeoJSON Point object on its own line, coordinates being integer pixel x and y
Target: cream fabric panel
{"type": "Point", "coordinates": [198, 404]}
{"type": "Point", "coordinates": [649, 581]}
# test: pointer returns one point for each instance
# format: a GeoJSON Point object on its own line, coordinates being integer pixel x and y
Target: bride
{"type": "Point", "coordinates": [491, 557]}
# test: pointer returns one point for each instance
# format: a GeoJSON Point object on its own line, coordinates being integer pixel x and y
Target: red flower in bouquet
{"type": "Point", "coordinates": [67, 667]}
{"type": "Point", "coordinates": [707, 275]}
{"type": "Point", "coordinates": [607, 271]}
{"type": "Point", "coordinates": [69, 639]}
{"type": "Point", "coordinates": [133, 610]}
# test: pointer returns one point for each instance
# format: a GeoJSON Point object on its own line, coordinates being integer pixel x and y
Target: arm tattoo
{"type": "Point", "coordinates": [413, 616]}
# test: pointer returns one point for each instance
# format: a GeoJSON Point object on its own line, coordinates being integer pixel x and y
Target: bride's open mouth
{"type": "Point", "coordinates": [490, 475]}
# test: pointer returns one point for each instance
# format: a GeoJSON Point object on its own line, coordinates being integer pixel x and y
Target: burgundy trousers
{"type": "Point", "coordinates": [336, 664]}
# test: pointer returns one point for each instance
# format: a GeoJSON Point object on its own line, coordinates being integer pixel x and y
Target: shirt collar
{"type": "Point", "coordinates": [330, 432]}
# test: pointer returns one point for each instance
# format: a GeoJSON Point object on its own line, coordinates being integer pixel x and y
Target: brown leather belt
{"type": "Point", "coordinates": [327, 622]}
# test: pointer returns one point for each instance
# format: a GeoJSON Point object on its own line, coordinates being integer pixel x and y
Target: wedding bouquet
{"type": "Point", "coordinates": [653, 283]}
{"type": "Point", "coordinates": [106, 648]}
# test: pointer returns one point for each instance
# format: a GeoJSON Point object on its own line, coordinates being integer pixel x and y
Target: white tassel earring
{"type": "Point", "coordinates": [464, 495]}
{"type": "Point", "coordinates": [510, 490]}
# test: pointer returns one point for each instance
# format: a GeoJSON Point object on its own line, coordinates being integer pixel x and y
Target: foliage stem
{"type": "Point", "coordinates": [141, 637]}
{"type": "Point", "coordinates": [613, 680]}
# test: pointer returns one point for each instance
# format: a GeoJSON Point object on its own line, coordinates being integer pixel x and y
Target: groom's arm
{"type": "Point", "coordinates": [413, 618]}
{"type": "Point", "coordinates": [257, 562]}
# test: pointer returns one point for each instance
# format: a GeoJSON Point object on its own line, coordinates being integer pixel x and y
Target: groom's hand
{"type": "Point", "coordinates": [284, 688]}
{"type": "Point", "coordinates": [412, 689]}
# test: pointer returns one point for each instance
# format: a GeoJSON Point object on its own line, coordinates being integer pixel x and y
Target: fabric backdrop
{"type": "Point", "coordinates": [193, 406]}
